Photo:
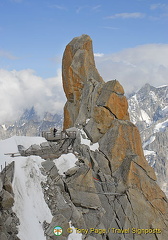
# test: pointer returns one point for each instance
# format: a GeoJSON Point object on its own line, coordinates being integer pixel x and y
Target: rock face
{"type": "Point", "coordinates": [129, 195]}
{"type": "Point", "coordinates": [88, 96]}
{"type": "Point", "coordinates": [8, 219]}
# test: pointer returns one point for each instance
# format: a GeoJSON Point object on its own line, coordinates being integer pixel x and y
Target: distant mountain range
{"type": "Point", "coordinates": [30, 124]}
{"type": "Point", "coordinates": [148, 110]}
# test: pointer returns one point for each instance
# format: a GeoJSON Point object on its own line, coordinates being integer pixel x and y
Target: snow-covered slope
{"type": "Point", "coordinates": [148, 105]}
{"type": "Point", "coordinates": [149, 111]}
{"type": "Point", "coordinates": [30, 206]}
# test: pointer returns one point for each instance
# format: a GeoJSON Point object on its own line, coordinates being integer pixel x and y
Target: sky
{"type": "Point", "coordinates": [130, 43]}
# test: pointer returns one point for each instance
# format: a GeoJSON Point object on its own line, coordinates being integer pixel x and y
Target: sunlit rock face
{"type": "Point", "coordinates": [130, 197]}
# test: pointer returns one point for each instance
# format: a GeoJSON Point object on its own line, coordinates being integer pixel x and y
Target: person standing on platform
{"type": "Point", "coordinates": [54, 131]}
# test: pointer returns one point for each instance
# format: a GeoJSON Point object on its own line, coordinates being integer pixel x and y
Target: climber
{"type": "Point", "coordinates": [54, 131]}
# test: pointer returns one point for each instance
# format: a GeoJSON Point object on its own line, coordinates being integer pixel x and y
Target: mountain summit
{"type": "Point", "coordinates": [130, 197]}
{"type": "Point", "coordinates": [98, 184]}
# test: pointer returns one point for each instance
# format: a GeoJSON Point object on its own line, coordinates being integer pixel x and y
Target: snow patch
{"type": "Point", "coordinates": [160, 127]}
{"type": "Point", "coordinates": [165, 109]}
{"type": "Point", "coordinates": [151, 139]}
{"type": "Point", "coordinates": [86, 141]}
{"type": "Point", "coordinates": [147, 152]}
{"type": "Point", "coordinates": [65, 162]}
{"type": "Point", "coordinates": [145, 117]}
{"type": "Point", "coordinates": [87, 120]}
{"type": "Point", "coordinates": [74, 235]}
{"type": "Point", "coordinates": [4, 127]}
{"type": "Point", "coordinates": [162, 86]}
{"type": "Point", "coordinates": [153, 95]}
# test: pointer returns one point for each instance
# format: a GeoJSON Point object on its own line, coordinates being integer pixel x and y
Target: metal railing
{"type": "Point", "coordinates": [60, 135]}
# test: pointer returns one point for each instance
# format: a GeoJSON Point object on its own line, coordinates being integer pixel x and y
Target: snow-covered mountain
{"type": "Point", "coordinates": [30, 124]}
{"type": "Point", "coordinates": [148, 110]}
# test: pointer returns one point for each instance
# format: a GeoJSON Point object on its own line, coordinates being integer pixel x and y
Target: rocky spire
{"type": "Point", "coordinates": [101, 110]}
{"type": "Point", "coordinates": [78, 66]}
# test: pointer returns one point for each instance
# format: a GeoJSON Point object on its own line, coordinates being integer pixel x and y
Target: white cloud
{"type": "Point", "coordinates": [136, 66]}
{"type": "Point", "coordinates": [127, 15]}
{"type": "Point", "coordinates": [8, 55]}
{"type": "Point", "coordinates": [96, 8]}
{"type": "Point", "coordinates": [80, 8]}
{"type": "Point", "coordinates": [111, 28]}
{"type": "Point", "coordinates": [159, 6]}
{"type": "Point", "coordinates": [60, 7]}
{"type": "Point", "coordinates": [23, 89]}
{"type": "Point", "coordinates": [98, 54]}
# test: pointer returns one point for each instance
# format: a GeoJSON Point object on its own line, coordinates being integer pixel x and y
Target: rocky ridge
{"type": "Point", "coordinates": [8, 219]}
{"type": "Point", "coordinates": [111, 186]}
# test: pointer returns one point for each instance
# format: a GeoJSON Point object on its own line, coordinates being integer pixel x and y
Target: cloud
{"type": "Point", "coordinates": [96, 8]}
{"type": "Point", "coordinates": [112, 28]}
{"type": "Point", "coordinates": [161, 9]}
{"type": "Point", "coordinates": [159, 6]}
{"type": "Point", "coordinates": [80, 8]}
{"type": "Point", "coordinates": [136, 66]}
{"type": "Point", "coordinates": [58, 7]}
{"type": "Point", "coordinates": [127, 15]}
{"type": "Point", "coordinates": [23, 89]}
{"type": "Point", "coordinates": [98, 54]}
{"type": "Point", "coordinates": [132, 67]}
{"type": "Point", "coordinates": [8, 55]}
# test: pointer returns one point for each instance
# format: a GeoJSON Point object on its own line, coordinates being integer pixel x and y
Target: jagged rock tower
{"type": "Point", "coordinates": [113, 188]}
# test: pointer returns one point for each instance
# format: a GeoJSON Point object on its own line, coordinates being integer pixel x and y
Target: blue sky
{"type": "Point", "coordinates": [34, 33]}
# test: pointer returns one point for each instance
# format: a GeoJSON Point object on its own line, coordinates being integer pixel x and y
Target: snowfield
{"type": "Point", "coordinates": [30, 206]}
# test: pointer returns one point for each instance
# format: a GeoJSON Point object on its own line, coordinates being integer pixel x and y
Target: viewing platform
{"type": "Point", "coordinates": [59, 135]}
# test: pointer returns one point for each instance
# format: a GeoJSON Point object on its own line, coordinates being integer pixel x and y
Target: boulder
{"type": "Point", "coordinates": [121, 140]}
{"type": "Point", "coordinates": [3, 236]}
{"type": "Point", "coordinates": [7, 200]}
{"type": "Point", "coordinates": [112, 98]}
{"type": "Point", "coordinates": [8, 185]}
{"type": "Point", "coordinates": [9, 172]}
{"type": "Point", "coordinates": [48, 165]}
{"type": "Point", "coordinates": [58, 220]}
{"type": "Point", "coordinates": [1, 183]}
{"type": "Point", "coordinates": [82, 189]}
